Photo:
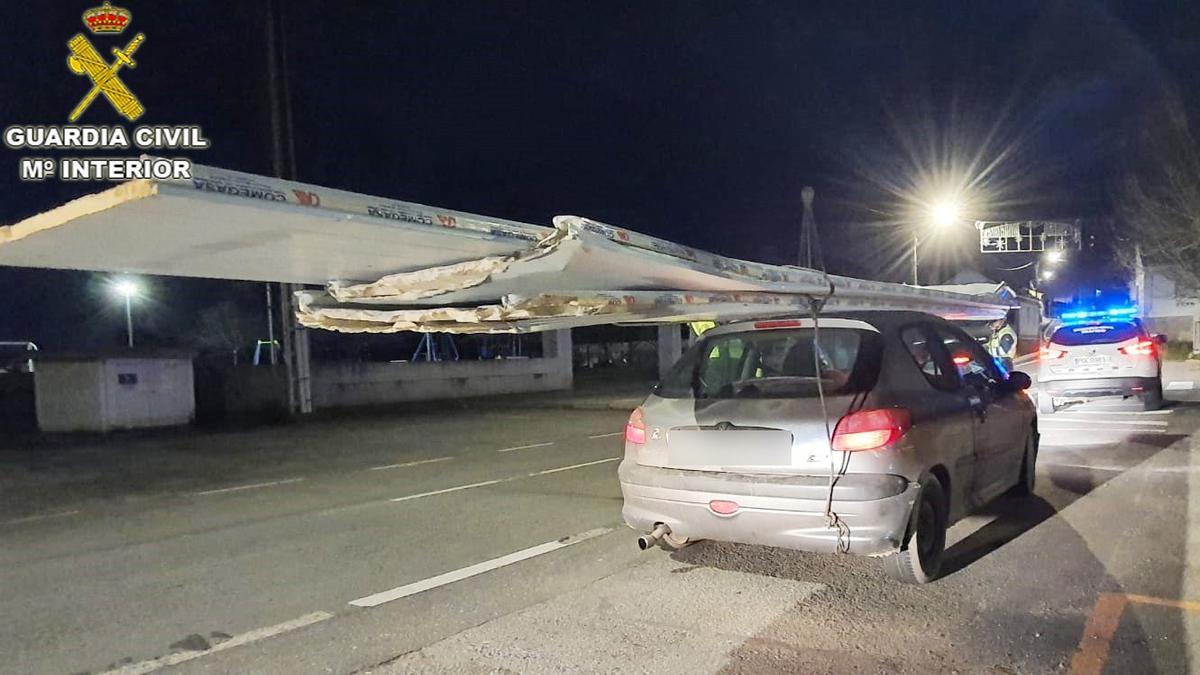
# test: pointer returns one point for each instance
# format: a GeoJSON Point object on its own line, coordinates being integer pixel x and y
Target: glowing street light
{"type": "Point", "coordinates": [127, 288]}
{"type": "Point", "coordinates": [941, 214]}
{"type": "Point", "coordinates": [945, 212]}
{"type": "Point", "coordinates": [1047, 275]}
{"type": "Point", "coordinates": [1054, 256]}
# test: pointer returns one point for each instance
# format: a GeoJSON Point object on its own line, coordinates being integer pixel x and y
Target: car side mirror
{"type": "Point", "coordinates": [1160, 339]}
{"type": "Point", "coordinates": [1019, 381]}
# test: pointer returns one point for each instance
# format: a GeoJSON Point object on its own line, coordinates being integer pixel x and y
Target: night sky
{"type": "Point", "coordinates": [698, 122]}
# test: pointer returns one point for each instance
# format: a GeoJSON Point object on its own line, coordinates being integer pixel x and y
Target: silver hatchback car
{"type": "Point", "coordinates": [866, 433]}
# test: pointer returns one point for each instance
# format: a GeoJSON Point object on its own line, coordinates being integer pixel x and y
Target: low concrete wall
{"type": "Point", "coordinates": [258, 390]}
{"type": "Point", "coordinates": [356, 384]}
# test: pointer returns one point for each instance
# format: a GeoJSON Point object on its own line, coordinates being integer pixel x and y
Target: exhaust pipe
{"type": "Point", "coordinates": [647, 540]}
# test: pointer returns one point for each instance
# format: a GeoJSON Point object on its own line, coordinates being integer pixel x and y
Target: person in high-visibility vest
{"type": "Point", "coordinates": [1003, 345]}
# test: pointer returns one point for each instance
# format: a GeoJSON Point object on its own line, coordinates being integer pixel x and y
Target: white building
{"type": "Point", "coordinates": [119, 391]}
{"type": "Point", "coordinates": [1166, 307]}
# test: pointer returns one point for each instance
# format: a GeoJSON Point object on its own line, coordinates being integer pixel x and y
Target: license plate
{"type": "Point", "coordinates": [1090, 360]}
{"type": "Point", "coordinates": [746, 447]}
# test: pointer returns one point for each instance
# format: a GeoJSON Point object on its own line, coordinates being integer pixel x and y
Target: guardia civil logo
{"type": "Point", "coordinates": [86, 61]}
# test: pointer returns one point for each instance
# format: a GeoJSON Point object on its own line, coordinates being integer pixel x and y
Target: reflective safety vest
{"type": "Point", "coordinates": [1004, 342]}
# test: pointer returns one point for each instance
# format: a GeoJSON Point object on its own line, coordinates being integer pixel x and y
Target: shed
{"type": "Point", "coordinates": [120, 390]}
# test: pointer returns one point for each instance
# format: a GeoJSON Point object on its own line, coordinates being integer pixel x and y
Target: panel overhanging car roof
{"type": "Point", "coordinates": [389, 266]}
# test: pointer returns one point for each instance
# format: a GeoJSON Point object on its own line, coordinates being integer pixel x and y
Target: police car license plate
{"type": "Point", "coordinates": [1090, 360]}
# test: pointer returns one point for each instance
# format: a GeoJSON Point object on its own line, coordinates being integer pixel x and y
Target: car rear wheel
{"type": "Point", "coordinates": [1153, 398]}
{"type": "Point", "coordinates": [920, 561]}
{"type": "Point", "coordinates": [1045, 404]}
{"type": "Point", "coordinates": [1028, 479]}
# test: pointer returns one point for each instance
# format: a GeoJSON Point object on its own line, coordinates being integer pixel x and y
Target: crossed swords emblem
{"type": "Point", "coordinates": [85, 60]}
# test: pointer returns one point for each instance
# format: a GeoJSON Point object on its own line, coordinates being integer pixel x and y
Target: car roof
{"type": "Point", "coordinates": [882, 320]}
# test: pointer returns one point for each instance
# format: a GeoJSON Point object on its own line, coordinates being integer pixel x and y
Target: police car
{"type": "Point", "coordinates": [1100, 354]}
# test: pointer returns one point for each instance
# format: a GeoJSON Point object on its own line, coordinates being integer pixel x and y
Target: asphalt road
{"type": "Point", "coordinates": [489, 540]}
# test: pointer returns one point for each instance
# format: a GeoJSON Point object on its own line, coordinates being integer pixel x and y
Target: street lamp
{"type": "Point", "coordinates": [941, 214]}
{"type": "Point", "coordinates": [127, 288]}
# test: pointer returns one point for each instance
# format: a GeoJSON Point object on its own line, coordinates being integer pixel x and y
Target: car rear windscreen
{"type": "Point", "coordinates": [776, 364]}
{"type": "Point", "coordinates": [1096, 333]}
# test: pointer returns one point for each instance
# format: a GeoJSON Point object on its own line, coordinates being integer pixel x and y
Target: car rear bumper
{"type": "Point", "coordinates": [783, 511]}
{"type": "Point", "coordinates": [1100, 387]}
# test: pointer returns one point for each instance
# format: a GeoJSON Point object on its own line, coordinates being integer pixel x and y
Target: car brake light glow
{"type": "Point", "coordinates": [871, 429]}
{"type": "Point", "coordinates": [723, 507]}
{"type": "Point", "coordinates": [962, 360]}
{"type": "Point", "coordinates": [1048, 353]}
{"type": "Point", "coordinates": [1143, 348]}
{"type": "Point", "coordinates": [779, 323]}
{"type": "Point", "coordinates": [635, 428]}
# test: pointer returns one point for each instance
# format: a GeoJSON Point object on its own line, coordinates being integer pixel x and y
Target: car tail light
{"type": "Point", "coordinates": [871, 429]}
{"type": "Point", "coordinates": [962, 360]}
{"type": "Point", "coordinates": [1143, 348]}
{"type": "Point", "coordinates": [635, 428]}
{"type": "Point", "coordinates": [1048, 353]}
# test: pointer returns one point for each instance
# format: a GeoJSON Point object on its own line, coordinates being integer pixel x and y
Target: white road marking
{"type": "Point", "coordinates": [251, 486]}
{"type": "Point", "coordinates": [615, 433]}
{"type": "Point", "coordinates": [450, 489]}
{"type": "Point", "coordinates": [377, 599]}
{"type": "Point", "coordinates": [1079, 444]}
{"type": "Point", "coordinates": [1092, 467]}
{"type": "Point", "coordinates": [235, 641]}
{"type": "Point", "coordinates": [43, 516]}
{"type": "Point", "coordinates": [1110, 413]}
{"type": "Point", "coordinates": [575, 466]}
{"type": "Point", "coordinates": [404, 464]}
{"type": "Point", "coordinates": [1063, 418]}
{"type": "Point", "coordinates": [1180, 386]}
{"type": "Point", "coordinates": [526, 447]}
{"type": "Point", "coordinates": [1114, 467]}
{"type": "Point", "coordinates": [496, 481]}
{"type": "Point", "coordinates": [1094, 430]}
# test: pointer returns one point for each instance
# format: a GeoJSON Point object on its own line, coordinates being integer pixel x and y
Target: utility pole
{"type": "Point", "coordinates": [916, 244]}
{"type": "Point", "coordinates": [129, 318]}
{"type": "Point", "coordinates": [283, 145]}
{"type": "Point", "coordinates": [807, 229]}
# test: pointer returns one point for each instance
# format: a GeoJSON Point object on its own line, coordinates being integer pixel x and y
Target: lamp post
{"type": "Point", "coordinates": [127, 289]}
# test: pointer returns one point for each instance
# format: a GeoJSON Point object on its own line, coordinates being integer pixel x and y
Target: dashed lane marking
{"type": "Point", "coordinates": [251, 486]}
{"type": "Point", "coordinates": [1180, 386]}
{"type": "Point", "coordinates": [449, 489]}
{"type": "Point", "coordinates": [377, 599]}
{"type": "Point", "coordinates": [615, 433]}
{"type": "Point", "coordinates": [41, 516]}
{"type": "Point", "coordinates": [574, 466]}
{"type": "Point", "coordinates": [235, 641]}
{"type": "Point", "coordinates": [402, 465]}
{"type": "Point", "coordinates": [526, 447]}
{"type": "Point", "coordinates": [497, 481]}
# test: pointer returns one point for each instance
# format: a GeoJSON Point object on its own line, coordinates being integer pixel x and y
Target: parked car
{"type": "Point", "coordinates": [868, 433]}
{"type": "Point", "coordinates": [1100, 355]}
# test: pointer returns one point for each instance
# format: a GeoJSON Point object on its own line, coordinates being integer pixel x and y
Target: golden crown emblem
{"type": "Point", "coordinates": [107, 19]}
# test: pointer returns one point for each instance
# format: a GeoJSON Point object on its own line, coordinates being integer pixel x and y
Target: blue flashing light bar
{"type": "Point", "coordinates": [1111, 313]}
